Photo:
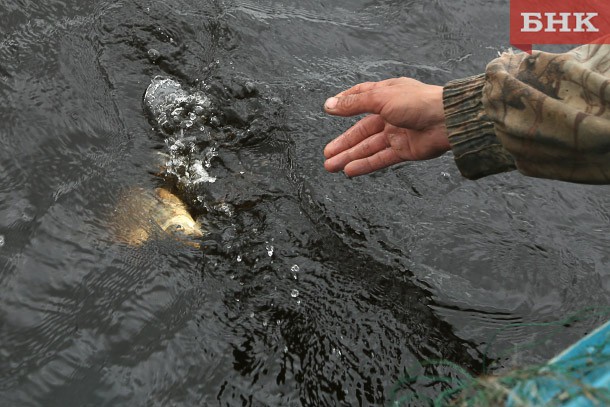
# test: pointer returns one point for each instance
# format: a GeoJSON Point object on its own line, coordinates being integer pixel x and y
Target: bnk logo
{"type": "Point", "coordinates": [559, 22]}
{"type": "Point", "coordinates": [532, 22]}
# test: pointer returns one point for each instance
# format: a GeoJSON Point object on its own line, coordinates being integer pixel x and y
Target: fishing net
{"type": "Point", "coordinates": [578, 377]}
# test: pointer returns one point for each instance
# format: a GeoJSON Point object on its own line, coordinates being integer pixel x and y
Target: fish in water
{"type": "Point", "coordinates": [143, 214]}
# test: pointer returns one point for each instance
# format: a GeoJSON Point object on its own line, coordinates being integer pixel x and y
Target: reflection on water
{"type": "Point", "coordinates": [308, 288]}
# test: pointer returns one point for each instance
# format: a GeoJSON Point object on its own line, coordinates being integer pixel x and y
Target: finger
{"type": "Point", "coordinates": [350, 105]}
{"type": "Point", "coordinates": [367, 148]}
{"type": "Point", "coordinates": [373, 163]}
{"type": "Point", "coordinates": [364, 128]}
{"type": "Point", "coordinates": [366, 86]}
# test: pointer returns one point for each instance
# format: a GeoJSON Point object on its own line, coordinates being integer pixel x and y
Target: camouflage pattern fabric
{"type": "Point", "coordinates": [544, 114]}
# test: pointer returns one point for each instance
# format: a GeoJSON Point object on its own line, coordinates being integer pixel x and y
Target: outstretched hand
{"type": "Point", "coordinates": [406, 123]}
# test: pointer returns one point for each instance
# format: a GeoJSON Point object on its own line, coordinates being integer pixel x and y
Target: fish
{"type": "Point", "coordinates": [145, 214]}
{"type": "Point", "coordinates": [141, 215]}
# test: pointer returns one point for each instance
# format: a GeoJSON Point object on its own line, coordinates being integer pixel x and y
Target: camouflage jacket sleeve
{"type": "Point", "coordinates": [547, 115]}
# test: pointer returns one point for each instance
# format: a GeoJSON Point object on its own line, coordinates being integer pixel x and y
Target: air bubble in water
{"type": "Point", "coordinates": [224, 208]}
{"type": "Point", "coordinates": [269, 250]}
{"type": "Point", "coordinates": [200, 174]}
{"type": "Point", "coordinates": [2, 241]}
{"type": "Point", "coordinates": [294, 293]}
{"type": "Point", "coordinates": [295, 268]}
{"type": "Point", "coordinates": [153, 55]}
{"type": "Point", "coordinates": [239, 258]}
{"type": "Point", "coordinates": [209, 154]}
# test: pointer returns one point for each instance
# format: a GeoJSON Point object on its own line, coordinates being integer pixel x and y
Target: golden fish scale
{"type": "Point", "coordinates": [142, 214]}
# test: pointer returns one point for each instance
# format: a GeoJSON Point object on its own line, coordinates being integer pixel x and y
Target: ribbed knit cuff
{"type": "Point", "coordinates": [476, 149]}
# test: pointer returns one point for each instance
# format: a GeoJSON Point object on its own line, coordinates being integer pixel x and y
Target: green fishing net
{"type": "Point", "coordinates": [564, 382]}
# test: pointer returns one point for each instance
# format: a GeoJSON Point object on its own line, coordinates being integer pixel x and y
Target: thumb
{"type": "Point", "coordinates": [350, 105]}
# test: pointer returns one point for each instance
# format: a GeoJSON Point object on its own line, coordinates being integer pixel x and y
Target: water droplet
{"type": "Point", "coordinates": [200, 174]}
{"type": "Point", "coordinates": [209, 155]}
{"type": "Point", "coordinates": [294, 293]}
{"type": "Point", "coordinates": [153, 55]}
{"type": "Point", "coordinates": [295, 268]}
{"type": "Point", "coordinates": [215, 121]}
{"type": "Point", "coordinates": [224, 208]}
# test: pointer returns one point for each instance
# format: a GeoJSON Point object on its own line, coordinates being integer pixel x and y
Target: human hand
{"type": "Point", "coordinates": [407, 124]}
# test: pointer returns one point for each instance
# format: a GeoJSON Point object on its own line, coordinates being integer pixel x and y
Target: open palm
{"type": "Point", "coordinates": [373, 144]}
{"type": "Point", "coordinates": [407, 123]}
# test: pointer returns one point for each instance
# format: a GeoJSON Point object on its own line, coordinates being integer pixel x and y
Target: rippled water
{"type": "Point", "coordinates": [310, 288]}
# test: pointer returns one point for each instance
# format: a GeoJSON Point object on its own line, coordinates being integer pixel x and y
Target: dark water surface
{"type": "Point", "coordinates": [310, 288]}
